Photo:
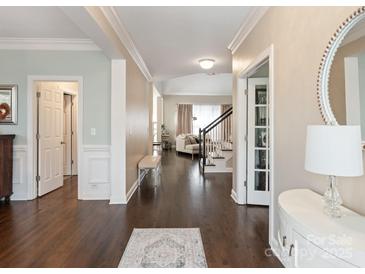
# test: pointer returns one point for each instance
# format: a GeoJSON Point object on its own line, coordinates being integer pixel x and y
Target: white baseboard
{"type": "Point", "coordinates": [132, 190]}
{"type": "Point", "coordinates": [135, 185]}
{"type": "Point", "coordinates": [234, 196]}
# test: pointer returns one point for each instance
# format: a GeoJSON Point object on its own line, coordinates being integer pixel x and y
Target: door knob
{"type": "Point", "coordinates": [62, 143]}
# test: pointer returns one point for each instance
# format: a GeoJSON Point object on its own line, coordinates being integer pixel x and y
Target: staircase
{"type": "Point", "coordinates": [215, 146]}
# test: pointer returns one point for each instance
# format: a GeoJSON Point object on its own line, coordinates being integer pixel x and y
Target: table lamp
{"type": "Point", "coordinates": [334, 151]}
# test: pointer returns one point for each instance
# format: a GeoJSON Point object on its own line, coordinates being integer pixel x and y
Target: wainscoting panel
{"type": "Point", "coordinates": [95, 179]}
{"type": "Point", "coordinates": [20, 187]}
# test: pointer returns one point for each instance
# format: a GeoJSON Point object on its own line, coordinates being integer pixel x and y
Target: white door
{"type": "Point", "coordinates": [67, 134]}
{"type": "Point", "coordinates": [258, 168]}
{"type": "Point", "coordinates": [51, 135]}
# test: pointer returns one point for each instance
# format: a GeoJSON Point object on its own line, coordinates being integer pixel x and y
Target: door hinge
{"type": "Point", "coordinates": [38, 136]}
{"type": "Point", "coordinates": [38, 178]}
{"type": "Point", "coordinates": [246, 91]}
{"type": "Point", "coordinates": [245, 183]}
{"type": "Point", "coordinates": [246, 138]}
{"type": "Point", "coordinates": [72, 162]}
{"type": "Point", "coordinates": [38, 94]}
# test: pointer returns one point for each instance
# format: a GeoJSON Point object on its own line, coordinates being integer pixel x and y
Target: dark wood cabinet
{"type": "Point", "coordinates": [6, 166]}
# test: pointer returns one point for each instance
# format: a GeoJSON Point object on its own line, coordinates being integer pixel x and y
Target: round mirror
{"type": "Point", "coordinates": [341, 81]}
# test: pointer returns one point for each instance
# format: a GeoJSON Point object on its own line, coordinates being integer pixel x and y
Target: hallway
{"type": "Point", "coordinates": [57, 230]}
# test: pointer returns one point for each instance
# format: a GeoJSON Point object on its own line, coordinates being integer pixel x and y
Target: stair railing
{"type": "Point", "coordinates": [213, 136]}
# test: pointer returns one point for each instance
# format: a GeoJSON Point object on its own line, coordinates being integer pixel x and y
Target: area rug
{"type": "Point", "coordinates": [164, 247]}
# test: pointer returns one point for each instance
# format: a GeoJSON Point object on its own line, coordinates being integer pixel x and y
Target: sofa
{"type": "Point", "coordinates": [187, 143]}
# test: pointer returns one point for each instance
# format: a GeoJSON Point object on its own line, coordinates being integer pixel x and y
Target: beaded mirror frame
{"type": "Point", "coordinates": [326, 63]}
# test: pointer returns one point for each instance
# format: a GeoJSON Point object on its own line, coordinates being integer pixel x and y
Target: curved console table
{"type": "Point", "coordinates": [309, 238]}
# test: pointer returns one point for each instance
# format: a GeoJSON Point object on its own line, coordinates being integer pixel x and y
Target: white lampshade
{"type": "Point", "coordinates": [334, 150]}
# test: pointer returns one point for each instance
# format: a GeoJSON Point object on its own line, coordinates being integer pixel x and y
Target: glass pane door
{"type": "Point", "coordinates": [258, 150]}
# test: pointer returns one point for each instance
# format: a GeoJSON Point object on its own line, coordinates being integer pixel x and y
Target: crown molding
{"type": "Point", "coordinates": [198, 93]}
{"type": "Point", "coordinates": [247, 26]}
{"type": "Point", "coordinates": [119, 28]}
{"type": "Point", "coordinates": [10, 43]}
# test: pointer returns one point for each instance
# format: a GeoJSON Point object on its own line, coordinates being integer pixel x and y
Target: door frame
{"type": "Point", "coordinates": [73, 94]}
{"type": "Point", "coordinates": [240, 193]}
{"type": "Point", "coordinates": [32, 126]}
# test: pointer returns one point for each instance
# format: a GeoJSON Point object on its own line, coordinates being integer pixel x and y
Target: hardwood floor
{"type": "Point", "coordinates": [57, 230]}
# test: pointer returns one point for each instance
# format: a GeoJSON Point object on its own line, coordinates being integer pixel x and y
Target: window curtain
{"type": "Point", "coordinates": [184, 119]}
{"type": "Point", "coordinates": [226, 125]}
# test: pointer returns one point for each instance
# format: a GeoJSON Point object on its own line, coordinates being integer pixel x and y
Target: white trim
{"type": "Point", "coordinates": [132, 190]}
{"type": "Point", "coordinates": [268, 53]}
{"type": "Point", "coordinates": [96, 182]}
{"type": "Point", "coordinates": [10, 43]}
{"type": "Point", "coordinates": [247, 26]}
{"type": "Point", "coordinates": [31, 129]}
{"type": "Point", "coordinates": [118, 132]}
{"type": "Point", "coordinates": [19, 173]}
{"type": "Point", "coordinates": [234, 196]}
{"type": "Point", "coordinates": [119, 28]}
{"type": "Point", "coordinates": [96, 148]}
{"type": "Point", "coordinates": [199, 93]}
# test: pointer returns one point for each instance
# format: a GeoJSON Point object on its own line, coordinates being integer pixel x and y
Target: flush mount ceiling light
{"type": "Point", "coordinates": [206, 63]}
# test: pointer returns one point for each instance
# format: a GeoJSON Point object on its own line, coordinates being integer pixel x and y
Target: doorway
{"type": "Point", "coordinates": [243, 161]}
{"type": "Point", "coordinates": [56, 134]}
{"type": "Point", "coordinates": [258, 134]}
{"type": "Point", "coordinates": [157, 118]}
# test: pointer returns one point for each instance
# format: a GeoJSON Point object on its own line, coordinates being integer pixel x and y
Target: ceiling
{"type": "Point", "coordinates": [37, 22]}
{"type": "Point", "coordinates": [171, 40]}
{"type": "Point", "coordinates": [198, 84]}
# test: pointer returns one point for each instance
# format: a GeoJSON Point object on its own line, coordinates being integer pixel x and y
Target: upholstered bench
{"type": "Point", "coordinates": [149, 162]}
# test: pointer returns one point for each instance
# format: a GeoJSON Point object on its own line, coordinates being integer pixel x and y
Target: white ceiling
{"type": "Point", "coordinates": [198, 84]}
{"type": "Point", "coordinates": [171, 40]}
{"type": "Point", "coordinates": [37, 22]}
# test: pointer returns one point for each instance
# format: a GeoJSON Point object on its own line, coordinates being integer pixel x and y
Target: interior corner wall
{"type": "Point", "coordinates": [170, 108]}
{"type": "Point", "coordinates": [137, 94]}
{"type": "Point", "coordinates": [299, 41]}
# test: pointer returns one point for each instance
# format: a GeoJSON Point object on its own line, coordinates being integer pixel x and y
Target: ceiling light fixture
{"type": "Point", "coordinates": [206, 63]}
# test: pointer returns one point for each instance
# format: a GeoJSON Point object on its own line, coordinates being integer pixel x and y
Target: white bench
{"type": "Point", "coordinates": [149, 162]}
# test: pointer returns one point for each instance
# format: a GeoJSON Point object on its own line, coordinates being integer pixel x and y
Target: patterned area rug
{"type": "Point", "coordinates": [164, 247]}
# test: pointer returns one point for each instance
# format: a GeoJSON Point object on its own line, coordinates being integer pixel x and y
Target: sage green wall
{"type": "Point", "coordinates": [93, 66]}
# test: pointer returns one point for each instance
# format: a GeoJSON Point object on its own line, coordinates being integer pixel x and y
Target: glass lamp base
{"type": "Point", "coordinates": [332, 200]}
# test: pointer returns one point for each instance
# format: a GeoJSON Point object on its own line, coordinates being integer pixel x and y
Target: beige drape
{"type": "Point", "coordinates": [226, 125]}
{"type": "Point", "coordinates": [184, 119]}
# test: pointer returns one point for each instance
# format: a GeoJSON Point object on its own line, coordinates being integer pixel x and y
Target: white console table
{"type": "Point", "coordinates": [309, 238]}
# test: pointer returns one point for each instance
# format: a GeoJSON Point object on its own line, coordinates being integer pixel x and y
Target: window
{"type": "Point", "coordinates": [203, 115]}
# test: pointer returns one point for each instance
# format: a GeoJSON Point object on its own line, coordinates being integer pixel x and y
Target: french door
{"type": "Point", "coordinates": [50, 137]}
{"type": "Point", "coordinates": [258, 149]}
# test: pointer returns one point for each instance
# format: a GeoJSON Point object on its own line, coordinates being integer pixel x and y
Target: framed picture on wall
{"type": "Point", "coordinates": [8, 104]}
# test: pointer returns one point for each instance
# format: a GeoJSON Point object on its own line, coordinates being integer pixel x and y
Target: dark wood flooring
{"type": "Point", "coordinates": [57, 230]}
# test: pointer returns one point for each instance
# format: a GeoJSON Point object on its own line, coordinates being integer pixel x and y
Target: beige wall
{"type": "Point", "coordinates": [139, 102]}
{"type": "Point", "coordinates": [337, 78]}
{"type": "Point", "coordinates": [299, 36]}
{"type": "Point", "coordinates": [170, 107]}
